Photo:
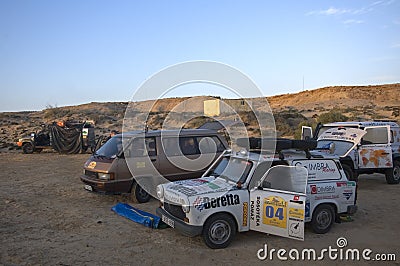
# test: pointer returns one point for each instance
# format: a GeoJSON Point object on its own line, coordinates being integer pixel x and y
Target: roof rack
{"type": "Point", "coordinates": [384, 120]}
{"type": "Point", "coordinates": [258, 144]}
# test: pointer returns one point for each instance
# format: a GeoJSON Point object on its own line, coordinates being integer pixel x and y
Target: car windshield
{"type": "Point", "coordinates": [335, 147]}
{"type": "Point", "coordinates": [111, 148]}
{"type": "Point", "coordinates": [234, 169]}
{"type": "Point", "coordinates": [325, 128]}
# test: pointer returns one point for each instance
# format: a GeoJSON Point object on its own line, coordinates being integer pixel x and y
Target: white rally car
{"type": "Point", "coordinates": [268, 193]}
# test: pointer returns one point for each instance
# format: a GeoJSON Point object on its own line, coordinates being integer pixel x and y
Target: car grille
{"type": "Point", "coordinates": [91, 174]}
{"type": "Point", "coordinates": [175, 210]}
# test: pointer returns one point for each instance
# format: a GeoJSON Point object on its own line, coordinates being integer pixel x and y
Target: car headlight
{"type": "Point", "coordinates": [104, 176]}
{"type": "Point", "coordinates": [185, 208]}
{"type": "Point", "coordinates": [160, 191]}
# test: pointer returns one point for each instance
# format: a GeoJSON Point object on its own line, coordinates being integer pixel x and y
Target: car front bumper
{"type": "Point", "coordinates": [181, 226]}
{"type": "Point", "coordinates": [107, 186]}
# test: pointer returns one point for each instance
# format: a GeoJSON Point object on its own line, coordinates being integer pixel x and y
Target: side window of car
{"type": "Point", "coordinates": [188, 146]}
{"type": "Point", "coordinates": [210, 144]}
{"type": "Point", "coordinates": [143, 147]}
{"type": "Point", "coordinates": [377, 135]}
{"type": "Point", "coordinates": [151, 146]}
{"type": "Point", "coordinates": [220, 145]}
{"type": "Point", "coordinates": [174, 146]}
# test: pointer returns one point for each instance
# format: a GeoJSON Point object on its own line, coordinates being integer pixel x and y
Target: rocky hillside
{"type": "Point", "coordinates": [290, 110]}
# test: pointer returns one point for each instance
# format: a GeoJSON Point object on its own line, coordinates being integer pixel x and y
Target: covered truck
{"type": "Point", "coordinates": [64, 137]}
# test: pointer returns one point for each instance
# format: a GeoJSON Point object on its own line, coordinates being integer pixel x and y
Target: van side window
{"type": "Point", "coordinates": [210, 144]}
{"type": "Point", "coordinates": [151, 146]}
{"type": "Point", "coordinates": [188, 146]}
{"type": "Point", "coordinates": [179, 146]}
{"type": "Point", "coordinates": [143, 147]}
{"type": "Point", "coordinates": [376, 136]}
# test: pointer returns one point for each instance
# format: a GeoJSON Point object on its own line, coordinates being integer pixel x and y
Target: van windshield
{"type": "Point", "coordinates": [111, 148]}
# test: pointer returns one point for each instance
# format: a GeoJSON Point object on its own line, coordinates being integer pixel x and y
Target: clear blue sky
{"type": "Point", "coordinates": [71, 52]}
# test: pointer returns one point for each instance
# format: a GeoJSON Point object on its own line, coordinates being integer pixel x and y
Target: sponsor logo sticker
{"type": "Point", "coordinates": [245, 213]}
{"type": "Point", "coordinates": [91, 165]}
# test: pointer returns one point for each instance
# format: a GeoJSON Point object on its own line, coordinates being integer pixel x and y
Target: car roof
{"type": "Point", "coordinates": [173, 132]}
{"type": "Point", "coordinates": [363, 124]}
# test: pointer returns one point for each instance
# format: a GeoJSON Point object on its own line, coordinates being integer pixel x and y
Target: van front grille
{"type": "Point", "coordinates": [91, 174]}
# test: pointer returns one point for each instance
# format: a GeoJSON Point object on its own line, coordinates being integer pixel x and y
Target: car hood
{"type": "Point", "coordinates": [180, 191]}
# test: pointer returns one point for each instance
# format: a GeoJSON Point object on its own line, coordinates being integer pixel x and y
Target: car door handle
{"type": "Point", "coordinates": [153, 160]}
{"type": "Point", "coordinates": [297, 201]}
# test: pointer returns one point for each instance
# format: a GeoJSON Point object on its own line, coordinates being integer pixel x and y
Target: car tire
{"type": "Point", "coordinates": [219, 230]}
{"type": "Point", "coordinates": [393, 174]}
{"type": "Point", "coordinates": [138, 194]}
{"type": "Point", "coordinates": [349, 173]}
{"type": "Point", "coordinates": [322, 218]}
{"type": "Point", "coordinates": [27, 148]}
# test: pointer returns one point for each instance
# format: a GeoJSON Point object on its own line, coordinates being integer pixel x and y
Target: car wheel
{"type": "Point", "coordinates": [27, 148]}
{"type": "Point", "coordinates": [393, 174]}
{"type": "Point", "coordinates": [322, 218]}
{"type": "Point", "coordinates": [138, 194]}
{"type": "Point", "coordinates": [219, 230]}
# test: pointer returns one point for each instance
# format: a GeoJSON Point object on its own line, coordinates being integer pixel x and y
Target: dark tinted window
{"type": "Point", "coordinates": [188, 146]}
{"type": "Point", "coordinates": [210, 144]}
{"type": "Point", "coordinates": [179, 146]}
{"type": "Point", "coordinates": [143, 147]}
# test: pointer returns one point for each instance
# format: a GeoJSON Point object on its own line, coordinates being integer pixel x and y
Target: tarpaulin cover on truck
{"type": "Point", "coordinates": [66, 140]}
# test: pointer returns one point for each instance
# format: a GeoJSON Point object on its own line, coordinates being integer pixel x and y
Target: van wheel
{"type": "Point", "coordinates": [27, 148]}
{"type": "Point", "coordinates": [322, 218]}
{"type": "Point", "coordinates": [349, 173]}
{"type": "Point", "coordinates": [219, 230]}
{"type": "Point", "coordinates": [138, 194]}
{"type": "Point", "coordinates": [393, 174]}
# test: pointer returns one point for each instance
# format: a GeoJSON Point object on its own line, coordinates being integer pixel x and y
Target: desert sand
{"type": "Point", "coordinates": [47, 218]}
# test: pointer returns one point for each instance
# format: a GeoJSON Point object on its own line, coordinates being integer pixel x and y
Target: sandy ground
{"type": "Point", "coordinates": [47, 218]}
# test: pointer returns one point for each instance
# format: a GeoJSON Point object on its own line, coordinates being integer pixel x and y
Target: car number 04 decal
{"type": "Point", "coordinates": [275, 209]}
{"type": "Point", "coordinates": [269, 212]}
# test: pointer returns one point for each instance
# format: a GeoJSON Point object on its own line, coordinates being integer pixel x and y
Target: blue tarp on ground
{"type": "Point", "coordinates": [136, 215]}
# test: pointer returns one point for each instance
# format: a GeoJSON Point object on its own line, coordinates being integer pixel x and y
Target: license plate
{"type": "Point", "coordinates": [168, 221]}
{"type": "Point", "coordinates": [87, 187]}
